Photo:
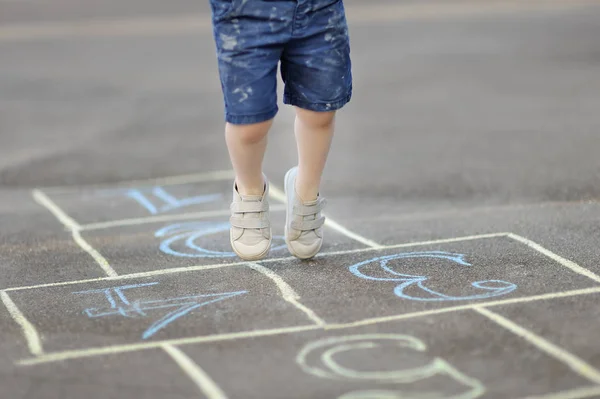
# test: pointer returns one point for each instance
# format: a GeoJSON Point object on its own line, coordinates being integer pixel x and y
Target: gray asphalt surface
{"type": "Point", "coordinates": [463, 187]}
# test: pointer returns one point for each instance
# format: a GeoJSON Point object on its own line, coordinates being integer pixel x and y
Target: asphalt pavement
{"type": "Point", "coordinates": [463, 188]}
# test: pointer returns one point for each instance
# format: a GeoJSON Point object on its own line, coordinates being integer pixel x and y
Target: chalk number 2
{"type": "Point", "coordinates": [318, 359]}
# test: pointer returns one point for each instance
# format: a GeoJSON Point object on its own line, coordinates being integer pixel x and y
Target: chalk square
{"type": "Point", "coordinates": [128, 311]}
{"type": "Point", "coordinates": [389, 282]}
{"type": "Point", "coordinates": [187, 243]}
{"type": "Point", "coordinates": [408, 358]}
{"type": "Point", "coordinates": [97, 205]}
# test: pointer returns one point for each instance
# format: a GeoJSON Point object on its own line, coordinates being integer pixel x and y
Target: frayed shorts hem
{"type": "Point", "coordinates": [318, 107]}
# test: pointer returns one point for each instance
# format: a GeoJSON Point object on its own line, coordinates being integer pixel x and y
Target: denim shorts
{"type": "Point", "coordinates": [308, 39]}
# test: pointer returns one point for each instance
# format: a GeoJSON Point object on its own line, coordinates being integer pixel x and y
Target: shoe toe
{"type": "Point", "coordinates": [305, 250]}
{"type": "Point", "coordinates": [251, 252]}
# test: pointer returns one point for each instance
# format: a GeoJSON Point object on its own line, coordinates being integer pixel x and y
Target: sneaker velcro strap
{"type": "Point", "coordinates": [249, 223]}
{"type": "Point", "coordinates": [249, 207]}
{"type": "Point", "coordinates": [307, 225]}
{"type": "Point", "coordinates": [309, 210]}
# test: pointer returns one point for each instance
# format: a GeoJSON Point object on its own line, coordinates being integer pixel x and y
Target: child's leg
{"type": "Point", "coordinates": [249, 39]}
{"type": "Point", "coordinates": [246, 145]}
{"type": "Point", "coordinates": [316, 70]}
{"type": "Point", "coordinates": [314, 132]}
{"type": "Point", "coordinates": [250, 232]}
{"type": "Point", "coordinates": [304, 223]}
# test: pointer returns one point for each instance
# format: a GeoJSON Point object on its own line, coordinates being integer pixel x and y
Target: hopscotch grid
{"type": "Point", "coordinates": [193, 370]}
{"type": "Point", "coordinates": [186, 269]}
{"type": "Point", "coordinates": [100, 351]}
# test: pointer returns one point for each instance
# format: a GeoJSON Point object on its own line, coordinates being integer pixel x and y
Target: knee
{"type": "Point", "coordinates": [251, 133]}
{"type": "Point", "coordinates": [314, 119]}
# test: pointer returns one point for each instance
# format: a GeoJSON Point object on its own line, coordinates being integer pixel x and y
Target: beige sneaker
{"type": "Point", "coordinates": [303, 221]}
{"type": "Point", "coordinates": [250, 233]}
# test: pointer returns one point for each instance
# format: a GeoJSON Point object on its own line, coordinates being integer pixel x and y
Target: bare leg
{"type": "Point", "coordinates": [250, 232]}
{"type": "Point", "coordinates": [314, 132]}
{"type": "Point", "coordinates": [246, 145]}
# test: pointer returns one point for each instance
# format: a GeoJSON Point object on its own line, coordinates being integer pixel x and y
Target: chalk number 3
{"type": "Point", "coordinates": [487, 288]}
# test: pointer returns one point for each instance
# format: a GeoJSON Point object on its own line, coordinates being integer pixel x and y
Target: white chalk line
{"type": "Point", "coordinates": [34, 343]}
{"type": "Point", "coordinates": [356, 14]}
{"type": "Point", "coordinates": [577, 393]}
{"type": "Point", "coordinates": [41, 198]}
{"type": "Point", "coordinates": [287, 292]}
{"type": "Point", "coordinates": [185, 269]}
{"type": "Point", "coordinates": [350, 234]}
{"type": "Point", "coordinates": [204, 177]}
{"type": "Point", "coordinates": [576, 364]}
{"type": "Point", "coordinates": [420, 243]}
{"type": "Point", "coordinates": [90, 352]}
{"type": "Point", "coordinates": [75, 228]}
{"type": "Point", "coordinates": [165, 218]}
{"type": "Point", "coordinates": [563, 261]}
{"type": "Point", "coordinates": [107, 350]}
{"type": "Point", "coordinates": [206, 384]}
{"type": "Point", "coordinates": [100, 260]}
{"type": "Point", "coordinates": [502, 302]}
{"type": "Point", "coordinates": [129, 276]}
{"type": "Point", "coordinates": [279, 195]}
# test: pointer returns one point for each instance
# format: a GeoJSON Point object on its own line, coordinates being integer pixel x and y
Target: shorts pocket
{"type": "Point", "coordinates": [221, 9]}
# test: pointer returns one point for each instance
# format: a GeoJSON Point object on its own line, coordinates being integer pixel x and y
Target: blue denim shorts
{"type": "Point", "coordinates": [308, 39]}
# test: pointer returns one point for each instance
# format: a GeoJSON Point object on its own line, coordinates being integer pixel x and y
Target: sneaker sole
{"type": "Point", "coordinates": [287, 216]}
{"type": "Point", "coordinates": [260, 256]}
{"type": "Point", "coordinates": [296, 254]}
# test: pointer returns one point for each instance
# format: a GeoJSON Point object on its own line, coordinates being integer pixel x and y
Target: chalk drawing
{"type": "Point", "coordinates": [169, 202]}
{"type": "Point", "coordinates": [156, 200]}
{"type": "Point", "coordinates": [189, 232]}
{"type": "Point", "coordinates": [318, 359]}
{"type": "Point", "coordinates": [121, 305]}
{"type": "Point", "coordinates": [491, 288]}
